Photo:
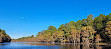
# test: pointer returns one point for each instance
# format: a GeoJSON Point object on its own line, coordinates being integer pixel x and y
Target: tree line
{"type": "Point", "coordinates": [4, 37]}
{"type": "Point", "coordinates": [27, 37]}
{"type": "Point", "coordinates": [89, 30]}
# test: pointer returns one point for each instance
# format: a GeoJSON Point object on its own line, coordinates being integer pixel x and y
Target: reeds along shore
{"type": "Point", "coordinates": [89, 30]}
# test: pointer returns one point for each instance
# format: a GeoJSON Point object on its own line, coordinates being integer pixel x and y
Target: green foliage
{"type": "Point", "coordinates": [90, 20]}
{"type": "Point", "coordinates": [4, 37]}
{"type": "Point", "coordinates": [108, 30]}
{"type": "Point", "coordinates": [27, 37]}
{"type": "Point", "coordinates": [88, 30]}
{"type": "Point", "coordinates": [52, 29]}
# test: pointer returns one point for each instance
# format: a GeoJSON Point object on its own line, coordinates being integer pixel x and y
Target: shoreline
{"type": "Point", "coordinates": [65, 43]}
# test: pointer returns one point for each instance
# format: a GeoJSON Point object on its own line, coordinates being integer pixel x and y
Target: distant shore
{"type": "Point", "coordinates": [24, 40]}
{"type": "Point", "coordinates": [89, 30]}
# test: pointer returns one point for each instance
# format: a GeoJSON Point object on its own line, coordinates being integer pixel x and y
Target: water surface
{"type": "Point", "coordinates": [34, 45]}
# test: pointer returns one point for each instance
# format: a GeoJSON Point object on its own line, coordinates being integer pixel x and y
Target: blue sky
{"type": "Point", "coordinates": [28, 17]}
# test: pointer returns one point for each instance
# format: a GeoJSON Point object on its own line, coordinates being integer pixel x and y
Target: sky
{"type": "Point", "coordinates": [21, 18]}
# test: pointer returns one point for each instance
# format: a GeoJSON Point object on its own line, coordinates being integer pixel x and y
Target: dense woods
{"type": "Point", "coordinates": [89, 30]}
{"type": "Point", "coordinates": [4, 37]}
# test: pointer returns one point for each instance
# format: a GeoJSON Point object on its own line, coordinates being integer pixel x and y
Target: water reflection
{"type": "Point", "coordinates": [74, 46]}
{"type": "Point", "coordinates": [4, 44]}
{"type": "Point", "coordinates": [88, 46]}
{"type": "Point", "coordinates": [33, 45]}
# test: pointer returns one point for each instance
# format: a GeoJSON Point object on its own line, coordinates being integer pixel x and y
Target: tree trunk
{"type": "Point", "coordinates": [74, 41]}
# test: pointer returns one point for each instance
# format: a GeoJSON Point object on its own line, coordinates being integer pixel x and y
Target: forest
{"type": "Point", "coordinates": [89, 30]}
{"type": "Point", "coordinates": [4, 37]}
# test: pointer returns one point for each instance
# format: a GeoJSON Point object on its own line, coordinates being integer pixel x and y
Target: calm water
{"type": "Point", "coordinates": [33, 45]}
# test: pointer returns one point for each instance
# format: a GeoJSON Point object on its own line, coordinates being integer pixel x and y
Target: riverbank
{"type": "Point", "coordinates": [34, 39]}
{"type": "Point", "coordinates": [37, 41]}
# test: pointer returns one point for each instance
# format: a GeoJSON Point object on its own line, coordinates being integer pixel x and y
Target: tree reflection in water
{"type": "Point", "coordinates": [86, 46]}
{"type": "Point", "coordinates": [74, 46]}
{"type": "Point", "coordinates": [56, 45]}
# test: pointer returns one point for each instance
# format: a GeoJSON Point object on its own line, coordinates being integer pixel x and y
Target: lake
{"type": "Point", "coordinates": [34, 45]}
